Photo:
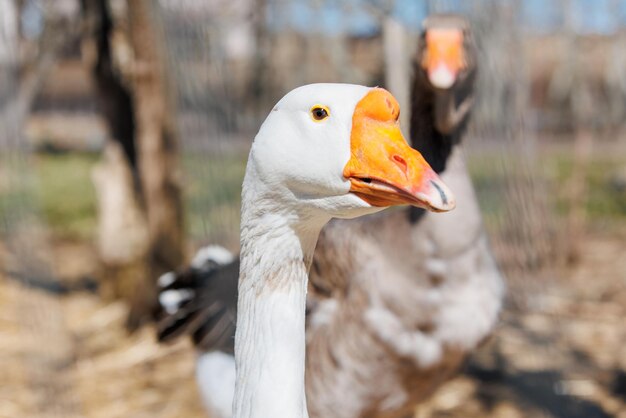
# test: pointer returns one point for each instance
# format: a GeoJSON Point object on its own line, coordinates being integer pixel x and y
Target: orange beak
{"type": "Point", "coordinates": [383, 169]}
{"type": "Point", "coordinates": [444, 57]}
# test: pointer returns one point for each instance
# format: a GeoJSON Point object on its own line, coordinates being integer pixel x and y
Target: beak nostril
{"type": "Point", "coordinates": [400, 162]}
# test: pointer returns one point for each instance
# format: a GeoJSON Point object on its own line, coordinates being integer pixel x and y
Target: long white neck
{"type": "Point", "coordinates": [276, 249]}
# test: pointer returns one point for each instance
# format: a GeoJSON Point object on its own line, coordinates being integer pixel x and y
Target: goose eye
{"type": "Point", "coordinates": [319, 113]}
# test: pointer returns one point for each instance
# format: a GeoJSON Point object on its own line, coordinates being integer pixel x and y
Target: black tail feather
{"type": "Point", "coordinates": [200, 301]}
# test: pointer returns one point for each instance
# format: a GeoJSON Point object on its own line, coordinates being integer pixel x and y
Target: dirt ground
{"type": "Point", "coordinates": [562, 356]}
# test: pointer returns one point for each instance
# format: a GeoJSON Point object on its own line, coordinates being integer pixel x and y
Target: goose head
{"type": "Point", "coordinates": [446, 55]}
{"type": "Point", "coordinates": [337, 150]}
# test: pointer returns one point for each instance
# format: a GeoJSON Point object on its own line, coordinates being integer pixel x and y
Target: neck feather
{"type": "Point", "coordinates": [276, 249]}
{"type": "Point", "coordinates": [430, 105]}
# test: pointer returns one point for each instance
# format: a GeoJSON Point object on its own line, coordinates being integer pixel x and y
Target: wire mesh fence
{"type": "Point", "coordinates": [545, 149]}
{"type": "Point", "coordinates": [230, 66]}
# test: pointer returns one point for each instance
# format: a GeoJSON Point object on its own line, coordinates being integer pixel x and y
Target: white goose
{"type": "Point", "coordinates": [396, 300]}
{"type": "Point", "coordinates": [325, 150]}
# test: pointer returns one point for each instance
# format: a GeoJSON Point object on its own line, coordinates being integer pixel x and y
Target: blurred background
{"type": "Point", "coordinates": [124, 128]}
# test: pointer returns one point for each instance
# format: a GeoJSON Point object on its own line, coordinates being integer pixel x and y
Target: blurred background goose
{"type": "Point", "coordinates": [396, 300]}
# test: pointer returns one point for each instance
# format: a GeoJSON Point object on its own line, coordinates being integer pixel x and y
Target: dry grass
{"type": "Point", "coordinates": [71, 357]}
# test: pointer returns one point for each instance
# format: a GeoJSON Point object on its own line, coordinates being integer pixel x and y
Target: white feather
{"type": "Point", "coordinates": [215, 372]}
{"type": "Point", "coordinates": [215, 253]}
{"type": "Point", "coordinates": [171, 300]}
{"type": "Point", "coordinates": [166, 279]}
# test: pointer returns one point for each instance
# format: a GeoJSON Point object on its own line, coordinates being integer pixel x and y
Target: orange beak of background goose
{"type": "Point", "coordinates": [443, 58]}
{"type": "Point", "coordinates": [383, 169]}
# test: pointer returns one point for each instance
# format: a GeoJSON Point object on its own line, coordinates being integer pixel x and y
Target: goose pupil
{"type": "Point", "coordinates": [320, 113]}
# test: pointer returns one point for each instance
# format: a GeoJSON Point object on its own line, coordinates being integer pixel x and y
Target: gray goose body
{"type": "Point", "coordinates": [396, 300]}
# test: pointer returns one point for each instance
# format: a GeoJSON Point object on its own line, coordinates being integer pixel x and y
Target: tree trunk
{"type": "Point", "coordinates": [122, 240]}
{"type": "Point", "coordinates": [157, 150]}
{"type": "Point", "coordinates": [130, 74]}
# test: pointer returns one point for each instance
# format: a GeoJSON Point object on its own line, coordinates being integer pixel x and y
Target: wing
{"type": "Point", "coordinates": [201, 302]}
